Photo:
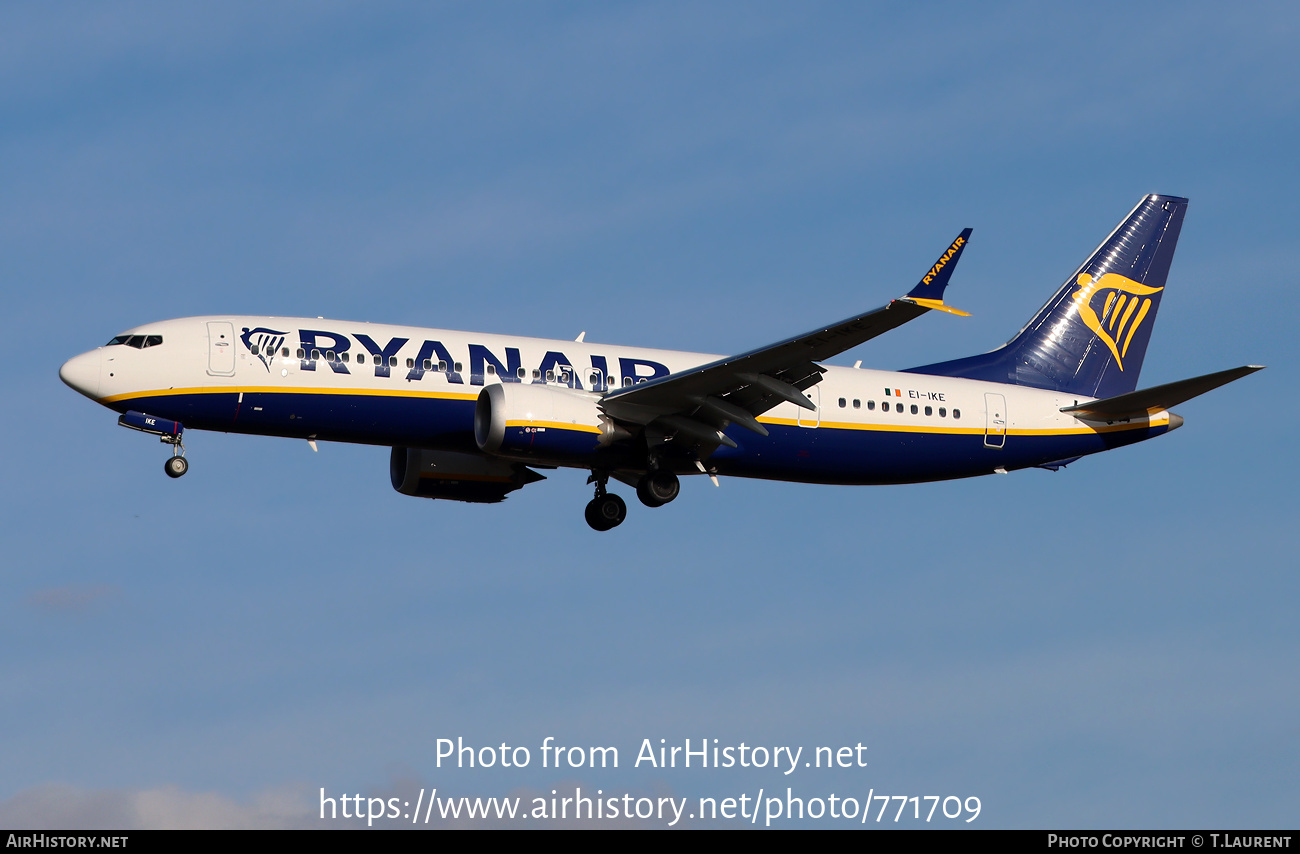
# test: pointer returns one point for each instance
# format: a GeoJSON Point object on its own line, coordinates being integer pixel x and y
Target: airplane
{"type": "Point", "coordinates": [472, 417]}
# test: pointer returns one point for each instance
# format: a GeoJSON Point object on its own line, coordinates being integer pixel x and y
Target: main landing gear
{"type": "Point", "coordinates": [657, 488]}
{"type": "Point", "coordinates": [607, 510]}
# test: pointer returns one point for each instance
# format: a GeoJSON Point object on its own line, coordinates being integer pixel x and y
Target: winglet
{"type": "Point", "coordinates": [938, 305]}
{"type": "Point", "coordinates": [929, 291]}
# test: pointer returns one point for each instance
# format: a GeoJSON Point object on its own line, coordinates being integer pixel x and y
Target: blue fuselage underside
{"type": "Point", "coordinates": [791, 453]}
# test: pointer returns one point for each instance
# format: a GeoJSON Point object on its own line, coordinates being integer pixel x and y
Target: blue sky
{"type": "Point", "coordinates": [1112, 644]}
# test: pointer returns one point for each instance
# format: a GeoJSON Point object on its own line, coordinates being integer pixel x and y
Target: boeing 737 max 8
{"type": "Point", "coordinates": [470, 416]}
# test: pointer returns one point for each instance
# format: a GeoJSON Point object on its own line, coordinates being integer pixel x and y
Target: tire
{"type": "Point", "coordinates": [658, 488]}
{"type": "Point", "coordinates": [176, 466]}
{"type": "Point", "coordinates": [606, 512]}
{"type": "Point", "coordinates": [592, 514]}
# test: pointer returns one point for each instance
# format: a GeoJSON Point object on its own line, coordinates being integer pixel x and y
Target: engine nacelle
{"type": "Point", "coordinates": [456, 476]}
{"type": "Point", "coordinates": [542, 422]}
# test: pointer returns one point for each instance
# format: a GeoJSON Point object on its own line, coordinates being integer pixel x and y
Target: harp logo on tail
{"type": "Point", "coordinates": [1124, 307]}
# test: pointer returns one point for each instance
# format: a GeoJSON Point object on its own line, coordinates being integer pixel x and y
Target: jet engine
{"type": "Point", "coordinates": [456, 476]}
{"type": "Point", "coordinates": [543, 423]}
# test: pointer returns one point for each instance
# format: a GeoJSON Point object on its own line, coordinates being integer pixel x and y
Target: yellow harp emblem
{"type": "Point", "coordinates": [1126, 305]}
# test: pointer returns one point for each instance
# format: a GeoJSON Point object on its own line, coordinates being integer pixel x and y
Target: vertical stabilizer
{"type": "Point", "coordinates": [1090, 338]}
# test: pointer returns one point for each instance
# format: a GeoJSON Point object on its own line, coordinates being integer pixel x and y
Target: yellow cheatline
{"type": "Point", "coordinates": [555, 425]}
{"type": "Point", "coordinates": [1080, 430]}
{"type": "Point", "coordinates": [354, 392]}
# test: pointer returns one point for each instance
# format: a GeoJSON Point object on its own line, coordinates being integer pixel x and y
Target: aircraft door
{"type": "Point", "coordinates": [995, 420]}
{"type": "Point", "coordinates": [221, 348]}
{"type": "Point", "coordinates": [812, 417]}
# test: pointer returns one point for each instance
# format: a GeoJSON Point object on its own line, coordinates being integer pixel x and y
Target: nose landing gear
{"type": "Point", "coordinates": [176, 465]}
{"type": "Point", "coordinates": [168, 432]}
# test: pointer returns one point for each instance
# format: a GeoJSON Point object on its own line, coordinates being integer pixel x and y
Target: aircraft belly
{"type": "Point", "coordinates": [417, 422]}
{"type": "Point", "coordinates": [827, 454]}
{"type": "Point", "coordinates": [864, 456]}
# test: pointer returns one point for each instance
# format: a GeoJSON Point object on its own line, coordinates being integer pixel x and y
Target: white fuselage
{"type": "Point", "coordinates": [397, 385]}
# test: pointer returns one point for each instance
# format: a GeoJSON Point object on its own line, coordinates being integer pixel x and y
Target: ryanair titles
{"type": "Point", "coordinates": [944, 259]}
{"type": "Point", "coordinates": [345, 354]}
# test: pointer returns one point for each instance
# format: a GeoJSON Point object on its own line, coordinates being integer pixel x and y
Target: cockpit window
{"type": "Point", "coordinates": [139, 342]}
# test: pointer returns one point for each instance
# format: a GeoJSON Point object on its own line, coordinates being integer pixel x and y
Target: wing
{"type": "Point", "coordinates": [700, 403]}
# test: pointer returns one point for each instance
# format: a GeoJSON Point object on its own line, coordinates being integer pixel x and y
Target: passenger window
{"type": "Point", "coordinates": [537, 375]}
{"type": "Point", "coordinates": [315, 355]}
{"type": "Point", "coordinates": [302, 354]}
{"type": "Point", "coordinates": [253, 349]}
{"type": "Point", "coordinates": [458, 368]}
{"type": "Point", "coordinates": [379, 360]}
{"type": "Point", "coordinates": [520, 373]}
{"type": "Point", "coordinates": [492, 370]}
{"type": "Point", "coordinates": [427, 364]}
{"type": "Point", "coordinates": [929, 411]}
{"type": "Point", "coordinates": [550, 376]}
{"type": "Point", "coordinates": [410, 363]}
{"type": "Point", "coordinates": [943, 413]}
{"type": "Point", "coordinates": [392, 361]}
{"type": "Point", "coordinates": [871, 405]}
{"type": "Point", "coordinates": [913, 408]}
{"type": "Point", "coordinates": [857, 404]}
{"type": "Point", "coordinates": [885, 406]}
{"type": "Point", "coordinates": [956, 413]}
{"type": "Point", "coordinates": [627, 381]}
{"type": "Point", "coordinates": [442, 366]}
{"type": "Point", "coordinates": [843, 403]}
{"type": "Point", "coordinates": [285, 352]}
{"type": "Point", "coordinates": [345, 358]}
{"type": "Point", "coordinates": [329, 355]}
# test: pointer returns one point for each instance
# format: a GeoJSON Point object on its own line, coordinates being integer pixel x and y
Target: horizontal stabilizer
{"type": "Point", "coordinates": [1139, 404]}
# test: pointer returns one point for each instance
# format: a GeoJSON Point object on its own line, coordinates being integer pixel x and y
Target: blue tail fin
{"type": "Point", "coordinates": [1090, 338]}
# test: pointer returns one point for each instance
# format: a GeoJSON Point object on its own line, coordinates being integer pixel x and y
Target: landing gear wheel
{"type": "Point", "coordinates": [176, 466]}
{"type": "Point", "coordinates": [658, 488]}
{"type": "Point", "coordinates": [606, 511]}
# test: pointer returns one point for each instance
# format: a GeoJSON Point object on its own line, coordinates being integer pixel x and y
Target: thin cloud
{"type": "Point", "coordinates": [65, 807]}
{"type": "Point", "coordinates": [71, 598]}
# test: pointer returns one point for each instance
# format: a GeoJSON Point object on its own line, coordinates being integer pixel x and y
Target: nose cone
{"type": "Point", "coordinates": [81, 373]}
